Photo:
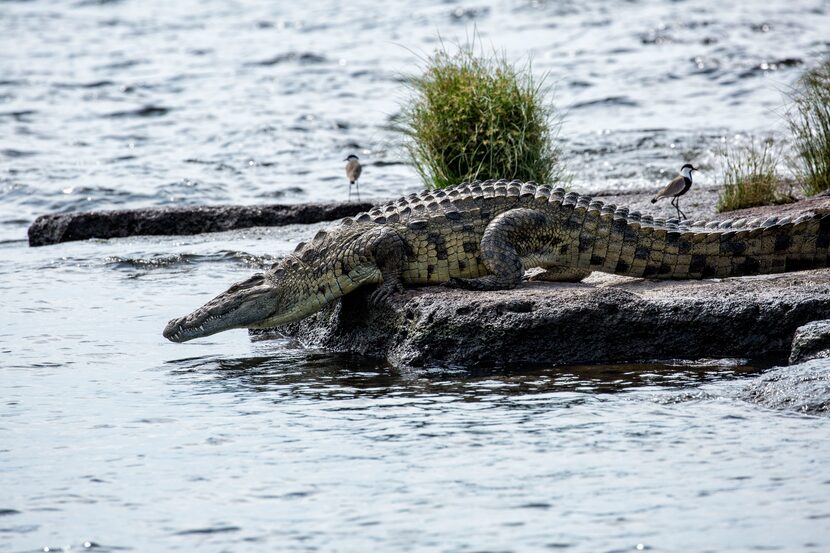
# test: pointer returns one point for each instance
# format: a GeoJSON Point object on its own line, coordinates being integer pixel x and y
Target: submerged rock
{"type": "Point", "coordinates": [811, 341]}
{"type": "Point", "coordinates": [603, 319]}
{"type": "Point", "coordinates": [803, 388]}
{"type": "Point", "coordinates": [65, 227]}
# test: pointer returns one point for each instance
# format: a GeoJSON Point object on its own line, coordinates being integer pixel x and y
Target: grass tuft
{"type": "Point", "coordinates": [474, 117]}
{"type": "Point", "coordinates": [809, 121]}
{"type": "Point", "coordinates": [750, 176]}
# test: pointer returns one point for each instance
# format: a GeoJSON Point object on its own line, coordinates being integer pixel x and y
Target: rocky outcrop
{"type": "Point", "coordinates": [811, 341]}
{"type": "Point", "coordinates": [65, 227]}
{"type": "Point", "coordinates": [803, 388]}
{"type": "Point", "coordinates": [603, 319]}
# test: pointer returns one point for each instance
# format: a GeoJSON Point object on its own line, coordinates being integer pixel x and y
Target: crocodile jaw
{"type": "Point", "coordinates": [243, 305]}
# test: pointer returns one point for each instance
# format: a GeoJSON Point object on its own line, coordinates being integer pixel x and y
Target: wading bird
{"type": "Point", "coordinates": [353, 170]}
{"type": "Point", "coordinates": [678, 186]}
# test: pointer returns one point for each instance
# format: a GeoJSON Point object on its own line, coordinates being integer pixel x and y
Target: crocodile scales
{"type": "Point", "coordinates": [484, 235]}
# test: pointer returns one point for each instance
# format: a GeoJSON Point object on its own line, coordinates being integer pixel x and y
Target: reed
{"type": "Point", "coordinates": [809, 122]}
{"type": "Point", "coordinates": [750, 176]}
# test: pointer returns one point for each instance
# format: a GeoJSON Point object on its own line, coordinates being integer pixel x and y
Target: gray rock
{"type": "Point", "coordinates": [701, 203]}
{"type": "Point", "coordinates": [803, 388]}
{"type": "Point", "coordinates": [603, 319]}
{"type": "Point", "coordinates": [811, 341]}
{"type": "Point", "coordinates": [65, 227]}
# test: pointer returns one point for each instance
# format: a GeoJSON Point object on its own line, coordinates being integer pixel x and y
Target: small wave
{"type": "Point", "coordinates": [259, 261]}
{"type": "Point", "coordinates": [290, 191]}
{"type": "Point", "coordinates": [769, 66]}
{"type": "Point", "coordinates": [302, 58]}
{"type": "Point", "coordinates": [164, 261]}
{"type": "Point", "coordinates": [87, 546]}
{"type": "Point", "coordinates": [22, 116]}
{"type": "Point", "coordinates": [210, 530]}
{"type": "Point", "coordinates": [10, 152]}
{"type": "Point", "coordinates": [159, 261]}
{"type": "Point", "coordinates": [92, 84]}
{"type": "Point", "coordinates": [685, 397]}
{"type": "Point", "coordinates": [145, 111]}
{"type": "Point", "coordinates": [622, 101]}
{"type": "Point", "coordinates": [125, 64]}
{"type": "Point", "coordinates": [217, 165]}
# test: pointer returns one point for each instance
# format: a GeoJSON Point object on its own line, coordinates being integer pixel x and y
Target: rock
{"type": "Point", "coordinates": [602, 319]}
{"type": "Point", "coordinates": [811, 341]}
{"type": "Point", "coordinates": [803, 388]}
{"type": "Point", "coordinates": [700, 204]}
{"type": "Point", "coordinates": [65, 227]}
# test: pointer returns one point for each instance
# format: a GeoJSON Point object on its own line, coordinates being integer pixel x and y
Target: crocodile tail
{"type": "Point", "coordinates": [614, 240]}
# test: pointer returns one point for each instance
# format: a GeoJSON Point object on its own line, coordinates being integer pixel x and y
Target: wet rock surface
{"type": "Point", "coordinates": [65, 227]}
{"type": "Point", "coordinates": [803, 388]}
{"type": "Point", "coordinates": [811, 341]}
{"type": "Point", "coordinates": [602, 319]}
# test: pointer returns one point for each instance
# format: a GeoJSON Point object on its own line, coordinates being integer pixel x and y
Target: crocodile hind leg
{"type": "Point", "coordinates": [505, 240]}
{"type": "Point", "coordinates": [560, 273]}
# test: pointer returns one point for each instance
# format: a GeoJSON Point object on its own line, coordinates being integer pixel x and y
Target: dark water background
{"type": "Point", "coordinates": [112, 438]}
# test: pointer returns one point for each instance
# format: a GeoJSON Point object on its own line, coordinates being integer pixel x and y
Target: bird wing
{"type": "Point", "coordinates": [353, 169]}
{"type": "Point", "coordinates": [672, 189]}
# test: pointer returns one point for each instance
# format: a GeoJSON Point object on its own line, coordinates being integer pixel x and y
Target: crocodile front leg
{"type": "Point", "coordinates": [509, 236]}
{"type": "Point", "coordinates": [388, 251]}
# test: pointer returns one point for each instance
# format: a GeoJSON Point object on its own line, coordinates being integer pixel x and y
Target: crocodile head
{"type": "Point", "coordinates": [262, 301]}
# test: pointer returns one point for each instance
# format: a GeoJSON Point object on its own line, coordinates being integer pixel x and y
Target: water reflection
{"type": "Point", "coordinates": [320, 375]}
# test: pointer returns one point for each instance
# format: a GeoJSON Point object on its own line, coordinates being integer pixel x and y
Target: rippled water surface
{"type": "Point", "coordinates": [113, 439]}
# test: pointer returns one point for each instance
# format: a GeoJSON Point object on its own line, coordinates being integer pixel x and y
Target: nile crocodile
{"type": "Point", "coordinates": [484, 235]}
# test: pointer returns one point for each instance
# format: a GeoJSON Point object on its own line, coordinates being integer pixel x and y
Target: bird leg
{"type": "Point", "coordinates": [680, 214]}
{"type": "Point", "coordinates": [357, 185]}
{"type": "Point", "coordinates": [350, 191]}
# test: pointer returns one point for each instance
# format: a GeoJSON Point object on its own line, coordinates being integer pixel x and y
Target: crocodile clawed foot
{"type": "Point", "coordinates": [457, 283]}
{"type": "Point", "coordinates": [383, 293]}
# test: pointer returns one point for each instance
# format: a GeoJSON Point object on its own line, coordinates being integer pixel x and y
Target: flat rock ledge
{"type": "Point", "coordinates": [602, 319]}
{"type": "Point", "coordinates": [66, 227]}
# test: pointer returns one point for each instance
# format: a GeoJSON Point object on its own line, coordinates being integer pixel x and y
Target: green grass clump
{"type": "Point", "coordinates": [809, 121]}
{"type": "Point", "coordinates": [750, 176]}
{"type": "Point", "coordinates": [473, 117]}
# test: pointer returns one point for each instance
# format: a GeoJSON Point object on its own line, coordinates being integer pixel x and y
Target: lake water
{"type": "Point", "coordinates": [113, 439]}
